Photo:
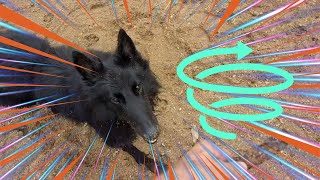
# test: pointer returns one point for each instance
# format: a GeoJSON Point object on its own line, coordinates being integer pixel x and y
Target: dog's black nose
{"type": "Point", "coordinates": [152, 134]}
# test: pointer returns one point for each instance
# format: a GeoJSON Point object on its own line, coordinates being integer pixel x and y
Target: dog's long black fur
{"type": "Point", "coordinates": [119, 91]}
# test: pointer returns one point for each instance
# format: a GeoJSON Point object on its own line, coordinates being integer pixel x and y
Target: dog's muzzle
{"type": "Point", "coordinates": [152, 135]}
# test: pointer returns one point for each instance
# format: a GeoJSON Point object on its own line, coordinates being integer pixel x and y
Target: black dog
{"type": "Point", "coordinates": [119, 91]}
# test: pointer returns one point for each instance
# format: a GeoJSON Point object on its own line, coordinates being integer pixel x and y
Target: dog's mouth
{"type": "Point", "coordinates": [147, 138]}
{"type": "Point", "coordinates": [149, 133]}
{"type": "Point", "coordinates": [152, 141]}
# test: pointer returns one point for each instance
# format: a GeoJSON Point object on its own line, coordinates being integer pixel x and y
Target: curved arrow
{"type": "Point", "coordinates": [241, 50]}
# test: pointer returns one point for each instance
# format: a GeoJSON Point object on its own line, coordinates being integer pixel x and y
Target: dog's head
{"type": "Point", "coordinates": [122, 86]}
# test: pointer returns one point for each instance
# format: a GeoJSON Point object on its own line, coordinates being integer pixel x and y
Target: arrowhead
{"type": "Point", "coordinates": [243, 50]}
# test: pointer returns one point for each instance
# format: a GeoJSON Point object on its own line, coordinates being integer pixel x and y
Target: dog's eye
{"type": "Point", "coordinates": [137, 89]}
{"type": "Point", "coordinates": [118, 98]}
{"type": "Point", "coordinates": [115, 100]}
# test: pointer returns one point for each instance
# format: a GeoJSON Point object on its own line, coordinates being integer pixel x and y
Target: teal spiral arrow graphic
{"type": "Point", "coordinates": [241, 50]}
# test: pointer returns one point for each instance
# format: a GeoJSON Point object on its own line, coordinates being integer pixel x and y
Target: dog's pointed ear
{"type": "Point", "coordinates": [93, 64]}
{"type": "Point", "coordinates": [126, 48]}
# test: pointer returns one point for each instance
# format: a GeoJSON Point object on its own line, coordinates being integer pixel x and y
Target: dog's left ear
{"type": "Point", "coordinates": [126, 48]}
{"type": "Point", "coordinates": [94, 64]}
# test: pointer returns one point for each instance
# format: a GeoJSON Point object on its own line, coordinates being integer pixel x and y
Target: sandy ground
{"type": "Point", "coordinates": [165, 45]}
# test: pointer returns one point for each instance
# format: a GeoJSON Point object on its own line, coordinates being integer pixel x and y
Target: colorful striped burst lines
{"type": "Point", "coordinates": [295, 48]}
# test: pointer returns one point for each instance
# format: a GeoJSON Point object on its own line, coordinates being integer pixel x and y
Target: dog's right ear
{"type": "Point", "coordinates": [89, 63]}
{"type": "Point", "coordinates": [126, 48]}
